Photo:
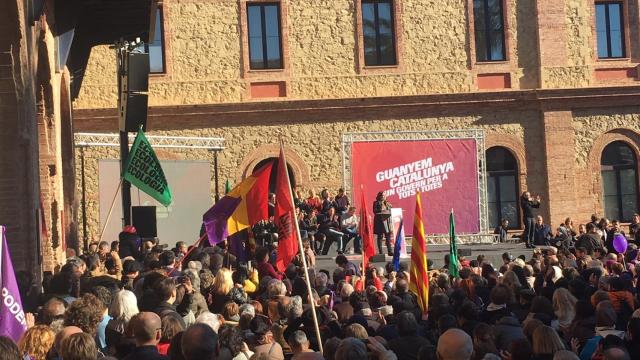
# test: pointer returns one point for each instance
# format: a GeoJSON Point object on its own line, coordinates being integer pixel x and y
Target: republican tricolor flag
{"type": "Point", "coordinates": [419, 277]}
{"type": "Point", "coordinates": [240, 208]}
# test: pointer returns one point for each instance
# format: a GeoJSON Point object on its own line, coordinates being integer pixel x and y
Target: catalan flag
{"type": "Point", "coordinates": [419, 279]}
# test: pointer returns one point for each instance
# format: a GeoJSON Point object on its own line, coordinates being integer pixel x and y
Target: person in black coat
{"type": "Point", "coordinates": [528, 203]}
{"type": "Point", "coordinates": [146, 328]}
{"type": "Point", "coordinates": [382, 222]}
{"type": "Point", "coordinates": [129, 243]}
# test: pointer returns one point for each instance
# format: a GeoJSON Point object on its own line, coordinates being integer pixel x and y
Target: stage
{"type": "Point", "coordinates": [493, 252]}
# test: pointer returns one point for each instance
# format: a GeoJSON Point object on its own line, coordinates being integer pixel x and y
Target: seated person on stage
{"type": "Point", "coordinates": [501, 231]}
{"type": "Point", "coordinates": [330, 227]}
{"type": "Point", "coordinates": [349, 226]}
{"type": "Point", "coordinates": [541, 232]}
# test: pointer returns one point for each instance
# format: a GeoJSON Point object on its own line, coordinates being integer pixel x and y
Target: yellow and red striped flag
{"type": "Point", "coordinates": [419, 279]}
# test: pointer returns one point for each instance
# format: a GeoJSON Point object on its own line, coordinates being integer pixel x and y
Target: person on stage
{"type": "Point", "coordinates": [528, 203]}
{"type": "Point", "coordinates": [382, 222]}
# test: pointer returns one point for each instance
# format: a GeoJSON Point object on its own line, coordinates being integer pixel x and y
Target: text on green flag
{"type": "Point", "coordinates": [144, 171]}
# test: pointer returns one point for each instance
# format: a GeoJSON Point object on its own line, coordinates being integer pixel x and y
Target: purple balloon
{"type": "Point", "coordinates": [620, 243]}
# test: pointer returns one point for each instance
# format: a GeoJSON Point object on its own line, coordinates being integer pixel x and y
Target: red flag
{"type": "Point", "coordinates": [284, 216]}
{"type": "Point", "coordinates": [366, 231]}
{"type": "Point", "coordinates": [258, 196]}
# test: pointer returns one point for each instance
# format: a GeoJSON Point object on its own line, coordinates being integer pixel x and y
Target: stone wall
{"type": "Point", "coordinates": [204, 58]}
{"type": "Point", "coordinates": [314, 149]}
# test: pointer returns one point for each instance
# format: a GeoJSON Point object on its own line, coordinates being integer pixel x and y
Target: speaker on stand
{"type": "Point", "coordinates": [145, 222]}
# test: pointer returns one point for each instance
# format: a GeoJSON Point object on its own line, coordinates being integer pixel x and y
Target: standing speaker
{"type": "Point", "coordinates": [135, 98]}
{"type": "Point", "coordinates": [144, 220]}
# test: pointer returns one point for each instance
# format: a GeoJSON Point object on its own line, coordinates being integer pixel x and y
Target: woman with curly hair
{"type": "Point", "coordinates": [220, 291]}
{"type": "Point", "coordinates": [36, 342]}
{"type": "Point", "coordinates": [564, 307]}
{"type": "Point", "coordinates": [85, 313]}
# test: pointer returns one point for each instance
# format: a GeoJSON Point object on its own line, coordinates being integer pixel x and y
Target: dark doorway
{"type": "Point", "coordinates": [274, 172]}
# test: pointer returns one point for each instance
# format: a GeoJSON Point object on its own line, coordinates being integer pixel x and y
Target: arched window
{"type": "Point", "coordinates": [502, 187]}
{"type": "Point", "coordinates": [619, 181]}
{"type": "Point", "coordinates": [274, 172]}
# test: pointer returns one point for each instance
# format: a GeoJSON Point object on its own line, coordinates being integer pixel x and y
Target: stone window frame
{"type": "Point", "coordinates": [361, 68]}
{"type": "Point", "coordinates": [264, 74]}
{"type": "Point", "coordinates": [629, 34]}
{"type": "Point", "coordinates": [166, 42]}
{"type": "Point", "coordinates": [506, 6]}
{"type": "Point", "coordinates": [509, 64]}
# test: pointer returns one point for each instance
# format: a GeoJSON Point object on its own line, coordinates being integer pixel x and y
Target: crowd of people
{"type": "Point", "coordinates": [133, 299]}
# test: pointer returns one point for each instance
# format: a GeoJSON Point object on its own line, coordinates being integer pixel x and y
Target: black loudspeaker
{"type": "Point", "coordinates": [144, 220]}
{"type": "Point", "coordinates": [138, 72]}
{"type": "Point", "coordinates": [464, 252]}
{"type": "Point", "coordinates": [136, 101]}
{"type": "Point", "coordinates": [135, 114]}
{"type": "Point", "coordinates": [378, 258]}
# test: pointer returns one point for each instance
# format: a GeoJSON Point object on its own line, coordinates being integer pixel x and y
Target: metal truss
{"type": "Point", "coordinates": [175, 142]}
{"type": "Point", "coordinates": [475, 134]}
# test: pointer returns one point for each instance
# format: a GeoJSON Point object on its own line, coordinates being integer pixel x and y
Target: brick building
{"type": "Point", "coordinates": [554, 84]}
{"type": "Point", "coordinates": [43, 45]}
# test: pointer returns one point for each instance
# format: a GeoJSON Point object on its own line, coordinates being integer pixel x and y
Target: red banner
{"type": "Point", "coordinates": [446, 171]}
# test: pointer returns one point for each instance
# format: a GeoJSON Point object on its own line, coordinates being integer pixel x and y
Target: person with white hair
{"type": "Point", "coordinates": [124, 306]}
{"type": "Point", "coordinates": [344, 310]}
{"type": "Point", "coordinates": [210, 319]}
{"type": "Point", "coordinates": [300, 347]}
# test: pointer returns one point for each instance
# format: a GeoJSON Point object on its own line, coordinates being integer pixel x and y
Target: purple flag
{"type": "Point", "coordinates": [12, 320]}
{"type": "Point", "coordinates": [237, 244]}
{"type": "Point", "coordinates": [216, 218]}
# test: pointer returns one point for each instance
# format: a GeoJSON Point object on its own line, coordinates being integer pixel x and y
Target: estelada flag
{"type": "Point", "coordinates": [419, 279]}
{"type": "Point", "coordinates": [284, 216]}
{"type": "Point", "coordinates": [365, 227]}
{"type": "Point", "coordinates": [12, 319]}
{"type": "Point", "coordinates": [144, 171]}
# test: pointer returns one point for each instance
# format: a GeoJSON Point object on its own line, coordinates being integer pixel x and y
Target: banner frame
{"type": "Point", "coordinates": [348, 139]}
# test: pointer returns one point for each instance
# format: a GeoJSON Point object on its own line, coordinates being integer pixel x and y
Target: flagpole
{"type": "Point", "coordinates": [301, 247]}
{"type": "Point", "coordinates": [110, 209]}
{"type": "Point", "coordinates": [195, 246]}
{"type": "Point", "coordinates": [363, 212]}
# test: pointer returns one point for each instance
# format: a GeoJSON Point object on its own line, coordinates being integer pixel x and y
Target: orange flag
{"type": "Point", "coordinates": [284, 216]}
{"type": "Point", "coordinates": [419, 279]}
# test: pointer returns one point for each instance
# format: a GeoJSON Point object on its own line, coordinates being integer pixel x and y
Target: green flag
{"type": "Point", "coordinates": [453, 248]}
{"type": "Point", "coordinates": [144, 171]}
{"type": "Point", "coordinates": [227, 187]}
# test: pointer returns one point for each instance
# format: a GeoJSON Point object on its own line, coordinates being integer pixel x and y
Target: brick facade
{"type": "Point", "coordinates": [552, 102]}
{"type": "Point", "coordinates": [37, 214]}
